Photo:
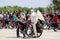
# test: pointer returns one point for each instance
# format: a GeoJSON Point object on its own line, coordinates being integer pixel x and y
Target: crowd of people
{"type": "Point", "coordinates": [9, 19]}
{"type": "Point", "coordinates": [52, 20]}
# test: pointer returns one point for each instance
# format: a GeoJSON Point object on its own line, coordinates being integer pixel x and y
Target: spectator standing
{"type": "Point", "coordinates": [54, 20]}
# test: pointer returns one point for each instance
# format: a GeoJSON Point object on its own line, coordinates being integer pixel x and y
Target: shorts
{"type": "Point", "coordinates": [6, 22]}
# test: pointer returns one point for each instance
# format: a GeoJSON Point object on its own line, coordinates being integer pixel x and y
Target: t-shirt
{"type": "Point", "coordinates": [14, 18]}
{"type": "Point", "coordinates": [1, 16]}
{"type": "Point", "coordinates": [11, 17]}
{"type": "Point", "coordinates": [33, 17]}
{"type": "Point", "coordinates": [55, 18]}
{"type": "Point", "coordinates": [21, 16]}
{"type": "Point", "coordinates": [6, 17]}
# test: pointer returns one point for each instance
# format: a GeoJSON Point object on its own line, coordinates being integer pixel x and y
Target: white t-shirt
{"type": "Point", "coordinates": [33, 17]}
{"type": "Point", "coordinates": [23, 15]}
{"type": "Point", "coordinates": [1, 16]}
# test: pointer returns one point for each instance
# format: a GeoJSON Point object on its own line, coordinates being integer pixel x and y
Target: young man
{"type": "Point", "coordinates": [1, 19]}
{"type": "Point", "coordinates": [21, 23]}
{"type": "Point", "coordinates": [34, 21]}
{"type": "Point", "coordinates": [54, 20]}
{"type": "Point", "coordinates": [6, 20]}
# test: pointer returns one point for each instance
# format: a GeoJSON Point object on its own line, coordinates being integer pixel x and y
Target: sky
{"type": "Point", "coordinates": [25, 3]}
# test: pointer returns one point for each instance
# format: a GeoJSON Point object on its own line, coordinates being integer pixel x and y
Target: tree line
{"type": "Point", "coordinates": [24, 9]}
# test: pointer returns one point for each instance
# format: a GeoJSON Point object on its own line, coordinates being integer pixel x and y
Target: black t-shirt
{"type": "Point", "coordinates": [18, 15]}
{"type": "Point", "coordinates": [51, 15]}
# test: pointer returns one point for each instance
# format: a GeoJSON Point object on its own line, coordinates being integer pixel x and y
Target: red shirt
{"type": "Point", "coordinates": [54, 18]}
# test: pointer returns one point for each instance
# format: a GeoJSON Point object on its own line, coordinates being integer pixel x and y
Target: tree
{"type": "Point", "coordinates": [40, 9]}
{"type": "Point", "coordinates": [4, 9]}
{"type": "Point", "coordinates": [57, 4]}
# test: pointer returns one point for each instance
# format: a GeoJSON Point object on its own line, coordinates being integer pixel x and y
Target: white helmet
{"type": "Point", "coordinates": [32, 10]}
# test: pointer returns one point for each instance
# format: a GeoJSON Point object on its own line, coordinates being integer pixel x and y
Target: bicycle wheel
{"type": "Point", "coordinates": [39, 32]}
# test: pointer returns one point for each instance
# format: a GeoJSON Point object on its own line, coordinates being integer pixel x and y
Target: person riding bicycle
{"type": "Point", "coordinates": [21, 23]}
{"type": "Point", "coordinates": [34, 21]}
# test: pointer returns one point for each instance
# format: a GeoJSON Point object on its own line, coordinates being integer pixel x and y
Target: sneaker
{"type": "Point", "coordinates": [24, 37]}
{"type": "Point", "coordinates": [18, 36]}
